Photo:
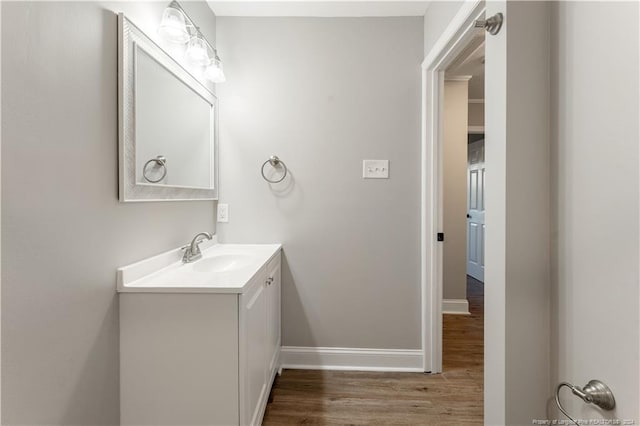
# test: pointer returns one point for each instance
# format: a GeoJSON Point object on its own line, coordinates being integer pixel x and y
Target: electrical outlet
{"type": "Point", "coordinates": [375, 169]}
{"type": "Point", "coordinates": [223, 213]}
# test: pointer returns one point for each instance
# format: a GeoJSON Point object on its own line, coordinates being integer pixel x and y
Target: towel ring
{"type": "Point", "coordinates": [161, 161]}
{"type": "Point", "coordinates": [595, 392]}
{"type": "Point", "coordinates": [274, 161]}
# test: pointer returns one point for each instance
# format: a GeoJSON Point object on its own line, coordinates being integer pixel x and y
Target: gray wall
{"type": "Point", "coordinates": [476, 115]}
{"type": "Point", "coordinates": [596, 208]}
{"type": "Point", "coordinates": [60, 214]}
{"type": "Point", "coordinates": [517, 213]}
{"type": "Point", "coordinates": [436, 19]}
{"type": "Point", "coordinates": [454, 189]}
{"type": "Point", "coordinates": [324, 94]}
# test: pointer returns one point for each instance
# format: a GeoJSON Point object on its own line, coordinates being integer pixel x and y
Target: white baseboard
{"type": "Point", "coordinates": [356, 359]}
{"type": "Point", "coordinates": [455, 306]}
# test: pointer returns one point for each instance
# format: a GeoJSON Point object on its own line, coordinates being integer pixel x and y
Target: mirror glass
{"type": "Point", "coordinates": [168, 125]}
{"type": "Point", "coordinates": [173, 122]}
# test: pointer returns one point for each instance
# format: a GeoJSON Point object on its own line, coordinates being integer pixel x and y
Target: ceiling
{"type": "Point", "coordinates": [331, 8]}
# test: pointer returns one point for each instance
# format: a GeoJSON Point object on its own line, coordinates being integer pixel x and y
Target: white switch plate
{"type": "Point", "coordinates": [223, 213]}
{"type": "Point", "coordinates": [375, 169]}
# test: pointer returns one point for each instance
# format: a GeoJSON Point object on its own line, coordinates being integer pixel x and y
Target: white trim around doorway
{"type": "Point", "coordinates": [452, 41]}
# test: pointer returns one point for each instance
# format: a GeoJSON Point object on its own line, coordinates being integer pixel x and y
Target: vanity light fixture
{"type": "Point", "coordinates": [214, 71]}
{"type": "Point", "coordinates": [197, 51]}
{"type": "Point", "coordinates": [173, 26]}
{"type": "Point", "coordinates": [177, 27]}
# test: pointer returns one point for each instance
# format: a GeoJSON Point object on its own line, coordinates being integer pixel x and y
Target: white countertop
{"type": "Point", "coordinates": [224, 268]}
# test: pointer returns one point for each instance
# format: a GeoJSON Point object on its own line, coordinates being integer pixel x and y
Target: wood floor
{"type": "Point", "coordinates": [454, 397]}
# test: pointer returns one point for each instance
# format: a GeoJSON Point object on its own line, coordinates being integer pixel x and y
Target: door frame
{"type": "Point", "coordinates": [518, 265]}
{"type": "Point", "coordinates": [454, 38]}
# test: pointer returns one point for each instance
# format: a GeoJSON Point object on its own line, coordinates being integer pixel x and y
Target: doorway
{"type": "Point", "coordinates": [517, 242]}
{"type": "Point", "coordinates": [463, 183]}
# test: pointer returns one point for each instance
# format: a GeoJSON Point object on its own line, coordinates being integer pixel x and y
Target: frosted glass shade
{"type": "Point", "coordinates": [197, 51]}
{"type": "Point", "coordinates": [215, 73]}
{"type": "Point", "coordinates": [173, 26]}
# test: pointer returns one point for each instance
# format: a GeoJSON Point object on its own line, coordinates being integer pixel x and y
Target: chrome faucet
{"type": "Point", "coordinates": [192, 251]}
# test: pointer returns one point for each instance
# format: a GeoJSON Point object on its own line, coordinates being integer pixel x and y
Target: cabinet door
{"type": "Point", "coordinates": [178, 359]}
{"type": "Point", "coordinates": [273, 319]}
{"type": "Point", "coordinates": [254, 306]}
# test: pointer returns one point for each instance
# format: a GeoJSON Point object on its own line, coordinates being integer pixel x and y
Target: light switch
{"type": "Point", "coordinates": [375, 169]}
{"type": "Point", "coordinates": [223, 212]}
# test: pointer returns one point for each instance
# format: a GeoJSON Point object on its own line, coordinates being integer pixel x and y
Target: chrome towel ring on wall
{"type": "Point", "coordinates": [275, 163]}
{"type": "Point", "coordinates": [160, 161]}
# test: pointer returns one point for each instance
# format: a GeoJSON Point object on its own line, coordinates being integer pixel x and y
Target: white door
{"type": "Point", "coordinates": [254, 304]}
{"type": "Point", "coordinates": [475, 210]}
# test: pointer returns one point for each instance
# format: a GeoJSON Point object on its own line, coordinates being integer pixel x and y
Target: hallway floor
{"type": "Point", "coordinates": [370, 398]}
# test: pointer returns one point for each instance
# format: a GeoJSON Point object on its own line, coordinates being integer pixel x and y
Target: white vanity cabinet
{"type": "Point", "coordinates": [274, 316]}
{"type": "Point", "coordinates": [200, 357]}
{"type": "Point", "coordinates": [259, 343]}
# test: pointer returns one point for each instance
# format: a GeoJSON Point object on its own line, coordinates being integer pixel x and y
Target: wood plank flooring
{"type": "Point", "coordinates": [454, 397]}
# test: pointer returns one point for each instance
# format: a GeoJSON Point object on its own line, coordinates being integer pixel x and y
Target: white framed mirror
{"type": "Point", "coordinates": [168, 125]}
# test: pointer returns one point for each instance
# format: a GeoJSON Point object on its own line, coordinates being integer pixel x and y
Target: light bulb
{"type": "Point", "coordinates": [197, 51]}
{"type": "Point", "coordinates": [214, 71]}
{"type": "Point", "coordinates": [173, 26]}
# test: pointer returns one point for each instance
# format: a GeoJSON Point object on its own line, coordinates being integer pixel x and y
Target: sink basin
{"type": "Point", "coordinates": [223, 268]}
{"type": "Point", "coordinates": [223, 263]}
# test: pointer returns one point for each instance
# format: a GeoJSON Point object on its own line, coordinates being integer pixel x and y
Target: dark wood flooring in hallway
{"type": "Point", "coordinates": [454, 397]}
